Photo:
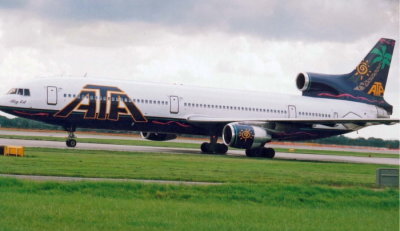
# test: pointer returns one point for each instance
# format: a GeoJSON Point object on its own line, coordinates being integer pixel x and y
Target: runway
{"type": "Point", "coordinates": [279, 155]}
{"type": "Point", "coordinates": [188, 140]}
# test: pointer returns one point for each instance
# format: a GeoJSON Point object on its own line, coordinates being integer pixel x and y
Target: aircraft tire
{"type": "Point", "coordinates": [268, 153]}
{"type": "Point", "coordinates": [260, 152]}
{"type": "Point", "coordinates": [221, 149]}
{"type": "Point", "coordinates": [71, 143]}
{"type": "Point", "coordinates": [253, 152]}
{"type": "Point", "coordinates": [205, 147]}
{"type": "Point", "coordinates": [213, 149]}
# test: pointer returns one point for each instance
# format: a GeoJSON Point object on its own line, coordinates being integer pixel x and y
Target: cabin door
{"type": "Point", "coordinates": [174, 104]}
{"type": "Point", "coordinates": [51, 95]}
{"type": "Point", "coordinates": [292, 111]}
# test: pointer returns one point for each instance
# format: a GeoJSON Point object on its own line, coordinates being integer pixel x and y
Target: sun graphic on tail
{"type": "Point", "coordinates": [363, 70]}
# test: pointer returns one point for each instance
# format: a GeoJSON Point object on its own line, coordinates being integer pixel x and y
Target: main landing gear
{"type": "Point", "coordinates": [71, 142]}
{"type": "Point", "coordinates": [260, 152]}
{"type": "Point", "coordinates": [213, 147]}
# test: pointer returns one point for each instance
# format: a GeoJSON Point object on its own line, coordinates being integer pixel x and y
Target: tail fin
{"type": "Point", "coordinates": [365, 84]}
{"type": "Point", "coordinates": [371, 74]}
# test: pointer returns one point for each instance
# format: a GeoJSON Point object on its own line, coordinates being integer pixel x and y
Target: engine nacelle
{"type": "Point", "coordinates": [311, 83]}
{"type": "Point", "coordinates": [302, 81]}
{"type": "Point", "coordinates": [244, 136]}
{"type": "Point", "coordinates": [157, 136]}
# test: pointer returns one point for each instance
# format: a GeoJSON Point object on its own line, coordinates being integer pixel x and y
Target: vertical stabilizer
{"type": "Point", "coordinates": [371, 74]}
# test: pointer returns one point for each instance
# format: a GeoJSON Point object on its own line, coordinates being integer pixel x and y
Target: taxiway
{"type": "Point", "coordinates": [279, 155]}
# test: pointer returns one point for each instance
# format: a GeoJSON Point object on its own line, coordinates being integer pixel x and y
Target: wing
{"type": "Point", "coordinates": [330, 121]}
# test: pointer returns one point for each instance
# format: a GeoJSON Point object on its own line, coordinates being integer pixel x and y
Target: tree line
{"type": "Point", "coordinates": [338, 140]}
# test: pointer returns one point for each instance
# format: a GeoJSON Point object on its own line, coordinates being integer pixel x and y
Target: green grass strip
{"type": "Point", "coordinates": [41, 206]}
{"type": "Point", "coordinates": [187, 167]}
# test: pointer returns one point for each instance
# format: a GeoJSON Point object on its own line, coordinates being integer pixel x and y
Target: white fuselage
{"type": "Point", "coordinates": [179, 102]}
{"type": "Point", "coordinates": [164, 108]}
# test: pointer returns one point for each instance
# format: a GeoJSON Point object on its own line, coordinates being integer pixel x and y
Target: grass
{"type": "Point", "coordinates": [187, 167]}
{"type": "Point", "coordinates": [125, 206]}
{"type": "Point", "coordinates": [197, 146]}
{"type": "Point", "coordinates": [257, 194]}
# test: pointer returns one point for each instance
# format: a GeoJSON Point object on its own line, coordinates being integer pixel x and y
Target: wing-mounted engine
{"type": "Point", "coordinates": [157, 136]}
{"type": "Point", "coordinates": [245, 136]}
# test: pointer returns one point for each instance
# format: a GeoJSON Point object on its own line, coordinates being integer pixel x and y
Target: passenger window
{"type": "Point", "coordinates": [20, 91]}
{"type": "Point", "coordinates": [27, 92]}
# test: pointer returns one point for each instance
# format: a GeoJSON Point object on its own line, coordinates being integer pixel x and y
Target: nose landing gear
{"type": "Point", "coordinates": [71, 140]}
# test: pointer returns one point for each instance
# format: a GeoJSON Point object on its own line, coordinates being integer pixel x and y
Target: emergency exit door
{"type": "Point", "coordinates": [174, 104]}
{"type": "Point", "coordinates": [292, 111]}
{"type": "Point", "coordinates": [51, 95]}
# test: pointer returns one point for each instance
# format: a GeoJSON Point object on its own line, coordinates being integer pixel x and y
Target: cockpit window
{"type": "Point", "coordinates": [13, 91]}
{"type": "Point", "coordinates": [19, 91]}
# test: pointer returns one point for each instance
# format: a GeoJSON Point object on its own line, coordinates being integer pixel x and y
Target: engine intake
{"type": "Point", "coordinates": [157, 136]}
{"type": "Point", "coordinates": [311, 84]}
{"type": "Point", "coordinates": [302, 81]}
{"type": "Point", "coordinates": [244, 136]}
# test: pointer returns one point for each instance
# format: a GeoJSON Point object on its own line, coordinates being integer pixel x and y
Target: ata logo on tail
{"type": "Point", "coordinates": [376, 89]}
{"type": "Point", "coordinates": [102, 103]}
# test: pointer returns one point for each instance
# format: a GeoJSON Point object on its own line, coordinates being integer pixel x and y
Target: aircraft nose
{"type": "Point", "coordinates": [4, 101]}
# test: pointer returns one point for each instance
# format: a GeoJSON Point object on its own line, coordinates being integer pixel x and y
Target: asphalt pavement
{"type": "Point", "coordinates": [130, 148]}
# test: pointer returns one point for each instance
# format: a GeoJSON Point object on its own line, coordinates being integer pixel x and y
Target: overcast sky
{"type": "Point", "coordinates": [253, 45]}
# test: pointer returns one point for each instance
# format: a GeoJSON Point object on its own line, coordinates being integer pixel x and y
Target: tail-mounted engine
{"type": "Point", "coordinates": [244, 136]}
{"type": "Point", "coordinates": [157, 136]}
{"type": "Point", "coordinates": [312, 84]}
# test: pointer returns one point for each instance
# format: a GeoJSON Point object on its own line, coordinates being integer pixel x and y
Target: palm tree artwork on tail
{"type": "Point", "coordinates": [383, 57]}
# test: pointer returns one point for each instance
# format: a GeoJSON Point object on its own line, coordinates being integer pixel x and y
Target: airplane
{"type": "Point", "coordinates": [330, 105]}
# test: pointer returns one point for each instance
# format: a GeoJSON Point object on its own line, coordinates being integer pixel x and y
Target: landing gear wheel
{"type": "Point", "coordinates": [260, 152]}
{"type": "Point", "coordinates": [222, 149]}
{"type": "Point", "coordinates": [204, 147]}
{"type": "Point", "coordinates": [253, 152]}
{"type": "Point", "coordinates": [71, 143]}
{"type": "Point", "coordinates": [214, 148]}
{"type": "Point", "coordinates": [268, 153]}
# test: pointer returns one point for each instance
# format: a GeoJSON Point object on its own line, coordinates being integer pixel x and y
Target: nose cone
{"type": "Point", "coordinates": [4, 101]}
